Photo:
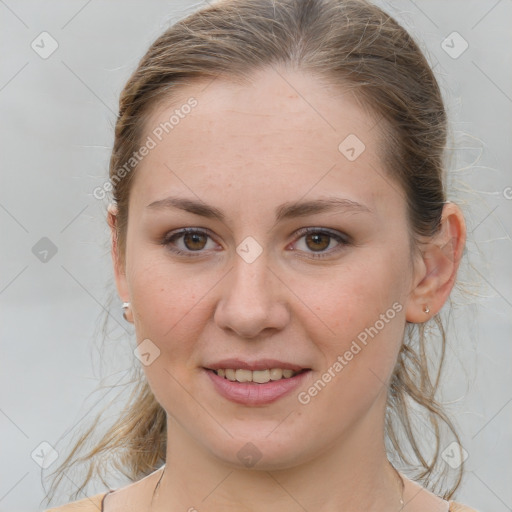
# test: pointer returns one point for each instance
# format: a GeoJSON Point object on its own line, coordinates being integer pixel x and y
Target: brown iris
{"type": "Point", "coordinates": [194, 238]}
{"type": "Point", "coordinates": [317, 240]}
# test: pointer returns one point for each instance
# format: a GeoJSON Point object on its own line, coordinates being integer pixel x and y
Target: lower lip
{"type": "Point", "coordinates": [249, 393]}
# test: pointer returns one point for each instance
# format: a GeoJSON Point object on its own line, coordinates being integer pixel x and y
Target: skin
{"type": "Point", "coordinates": [247, 149]}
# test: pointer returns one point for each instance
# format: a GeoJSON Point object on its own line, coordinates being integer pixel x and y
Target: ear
{"type": "Point", "coordinates": [437, 267]}
{"type": "Point", "coordinates": [117, 261]}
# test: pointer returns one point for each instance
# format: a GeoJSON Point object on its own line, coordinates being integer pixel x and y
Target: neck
{"type": "Point", "coordinates": [351, 475]}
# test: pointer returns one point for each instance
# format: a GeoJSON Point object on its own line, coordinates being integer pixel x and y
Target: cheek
{"type": "Point", "coordinates": [356, 294]}
{"type": "Point", "coordinates": [169, 310]}
{"type": "Point", "coordinates": [168, 303]}
{"type": "Point", "coordinates": [362, 312]}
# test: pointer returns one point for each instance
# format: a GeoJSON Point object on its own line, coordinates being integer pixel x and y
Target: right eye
{"type": "Point", "coordinates": [193, 240]}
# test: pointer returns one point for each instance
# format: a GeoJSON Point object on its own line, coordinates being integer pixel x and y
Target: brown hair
{"type": "Point", "coordinates": [346, 42]}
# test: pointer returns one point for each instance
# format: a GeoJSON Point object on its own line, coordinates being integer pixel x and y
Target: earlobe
{"type": "Point", "coordinates": [441, 257]}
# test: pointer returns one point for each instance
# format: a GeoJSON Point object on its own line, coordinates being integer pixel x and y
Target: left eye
{"type": "Point", "coordinates": [318, 240]}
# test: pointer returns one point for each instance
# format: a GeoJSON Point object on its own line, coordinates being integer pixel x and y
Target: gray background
{"type": "Point", "coordinates": [57, 129]}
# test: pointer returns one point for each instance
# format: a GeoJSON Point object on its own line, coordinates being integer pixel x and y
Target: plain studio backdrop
{"type": "Point", "coordinates": [62, 69]}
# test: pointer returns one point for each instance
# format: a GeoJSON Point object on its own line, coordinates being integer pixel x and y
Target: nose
{"type": "Point", "coordinates": [253, 300]}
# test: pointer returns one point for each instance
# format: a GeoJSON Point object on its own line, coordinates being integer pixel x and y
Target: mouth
{"type": "Point", "coordinates": [257, 383]}
{"type": "Point", "coordinates": [257, 376]}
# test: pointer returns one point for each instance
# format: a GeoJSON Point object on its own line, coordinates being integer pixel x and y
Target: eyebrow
{"type": "Point", "coordinates": [285, 211]}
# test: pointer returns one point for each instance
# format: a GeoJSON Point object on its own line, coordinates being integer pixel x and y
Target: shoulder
{"type": "Point", "coordinates": [129, 497]}
{"type": "Point", "coordinates": [458, 507]}
{"type": "Point", "coordinates": [90, 504]}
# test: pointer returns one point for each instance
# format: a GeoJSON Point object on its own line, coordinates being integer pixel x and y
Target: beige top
{"type": "Point", "coordinates": [95, 504]}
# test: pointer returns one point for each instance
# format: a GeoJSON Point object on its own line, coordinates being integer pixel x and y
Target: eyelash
{"type": "Point", "coordinates": [342, 239]}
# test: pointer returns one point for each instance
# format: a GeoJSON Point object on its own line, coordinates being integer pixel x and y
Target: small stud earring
{"type": "Point", "coordinates": [426, 309]}
{"type": "Point", "coordinates": [125, 306]}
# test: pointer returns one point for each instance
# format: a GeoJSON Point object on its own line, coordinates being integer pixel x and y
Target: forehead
{"type": "Point", "coordinates": [284, 130]}
{"type": "Point", "coordinates": [287, 101]}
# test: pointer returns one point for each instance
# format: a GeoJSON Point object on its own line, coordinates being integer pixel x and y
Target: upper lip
{"type": "Point", "coordinates": [260, 364]}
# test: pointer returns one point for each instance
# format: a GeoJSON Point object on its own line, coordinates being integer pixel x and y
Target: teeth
{"type": "Point", "coordinates": [258, 376]}
{"type": "Point", "coordinates": [261, 376]}
{"type": "Point", "coordinates": [276, 374]}
{"type": "Point", "coordinates": [243, 375]}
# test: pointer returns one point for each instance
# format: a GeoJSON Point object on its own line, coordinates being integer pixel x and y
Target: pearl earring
{"type": "Point", "coordinates": [125, 306]}
{"type": "Point", "coordinates": [426, 309]}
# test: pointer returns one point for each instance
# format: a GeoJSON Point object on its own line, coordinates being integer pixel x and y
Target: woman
{"type": "Point", "coordinates": [280, 238]}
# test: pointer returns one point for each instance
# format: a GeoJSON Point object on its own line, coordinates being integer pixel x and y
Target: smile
{"type": "Point", "coordinates": [253, 387]}
{"type": "Point", "coordinates": [256, 376]}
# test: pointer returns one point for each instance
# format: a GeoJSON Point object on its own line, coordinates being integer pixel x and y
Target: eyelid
{"type": "Point", "coordinates": [332, 232]}
{"type": "Point", "coordinates": [184, 231]}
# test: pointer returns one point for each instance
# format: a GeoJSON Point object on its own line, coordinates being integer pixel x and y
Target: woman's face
{"type": "Point", "coordinates": [250, 168]}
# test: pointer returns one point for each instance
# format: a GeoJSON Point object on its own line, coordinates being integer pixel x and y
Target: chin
{"type": "Point", "coordinates": [260, 452]}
